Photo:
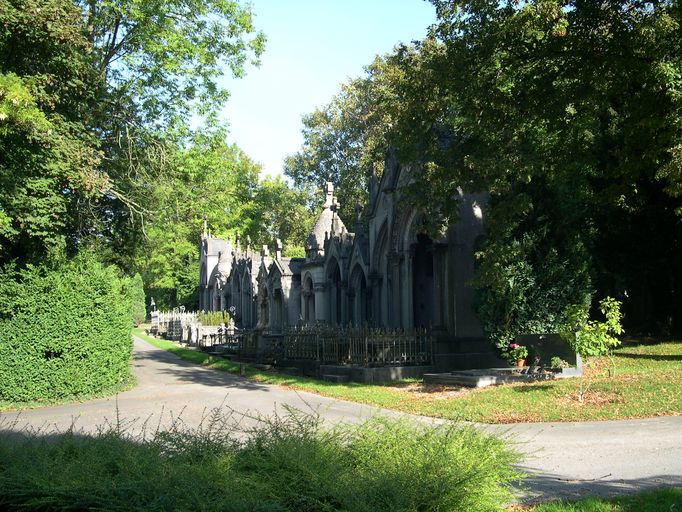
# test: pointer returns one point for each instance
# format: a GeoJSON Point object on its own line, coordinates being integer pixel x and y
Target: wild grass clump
{"type": "Point", "coordinates": [286, 463]}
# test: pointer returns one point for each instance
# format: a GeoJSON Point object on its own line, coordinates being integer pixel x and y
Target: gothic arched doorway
{"type": "Point", "coordinates": [335, 295]}
{"type": "Point", "coordinates": [422, 282]}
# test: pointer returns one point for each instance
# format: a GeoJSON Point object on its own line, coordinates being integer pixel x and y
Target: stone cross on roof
{"type": "Point", "coordinates": [329, 194]}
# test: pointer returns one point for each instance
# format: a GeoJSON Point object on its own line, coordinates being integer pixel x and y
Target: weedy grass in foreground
{"type": "Point", "coordinates": [289, 462]}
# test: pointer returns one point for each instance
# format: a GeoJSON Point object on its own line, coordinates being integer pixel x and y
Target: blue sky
{"type": "Point", "coordinates": [313, 47]}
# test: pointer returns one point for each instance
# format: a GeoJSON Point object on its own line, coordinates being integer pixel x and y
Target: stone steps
{"type": "Point", "coordinates": [220, 353]}
{"type": "Point", "coordinates": [470, 381]}
{"type": "Point", "coordinates": [488, 377]}
{"type": "Point", "coordinates": [338, 379]}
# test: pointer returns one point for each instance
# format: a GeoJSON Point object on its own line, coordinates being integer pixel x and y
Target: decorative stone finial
{"type": "Point", "coordinates": [264, 252]}
{"type": "Point", "coordinates": [204, 232]}
{"type": "Point", "coordinates": [278, 248]}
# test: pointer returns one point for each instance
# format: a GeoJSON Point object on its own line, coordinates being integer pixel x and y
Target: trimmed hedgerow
{"type": "Point", "coordinates": [135, 291]}
{"type": "Point", "coordinates": [288, 463]}
{"type": "Point", "coordinates": [65, 330]}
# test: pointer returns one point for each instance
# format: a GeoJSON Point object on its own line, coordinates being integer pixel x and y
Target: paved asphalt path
{"type": "Point", "coordinates": [562, 459]}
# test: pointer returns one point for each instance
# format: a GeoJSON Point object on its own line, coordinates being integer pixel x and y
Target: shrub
{"type": "Point", "coordinates": [135, 292]}
{"type": "Point", "coordinates": [591, 337]}
{"type": "Point", "coordinates": [65, 330]}
{"type": "Point", "coordinates": [288, 463]}
{"type": "Point", "coordinates": [526, 274]}
{"type": "Point", "coordinates": [213, 317]}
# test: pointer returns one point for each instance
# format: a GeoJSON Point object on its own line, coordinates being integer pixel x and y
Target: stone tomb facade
{"type": "Point", "coordinates": [392, 275]}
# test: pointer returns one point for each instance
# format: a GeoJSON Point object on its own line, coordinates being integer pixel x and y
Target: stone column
{"type": "Point", "coordinates": [321, 302]}
{"type": "Point", "coordinates": [345, 315]}
{"type": "Point", "coordinates": [396, 292]}
{"type": "Point", "coordinates": [407, 314]}
{"type": "Point", "coordinates": [375, 294]}
{"type": "Point", "coordinates": [439, 285]}
{"type": "Point", "coordinates": [302, 305]}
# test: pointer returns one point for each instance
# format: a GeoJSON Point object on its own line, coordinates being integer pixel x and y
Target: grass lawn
{"type": "Point", "coordinates": [662, 500]}
{"type": "Point", "coordinates": [646, 383]}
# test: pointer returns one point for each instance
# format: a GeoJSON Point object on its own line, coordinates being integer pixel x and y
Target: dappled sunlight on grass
{"type": "Point", "coordinates": [617, 387]}
{"type": "Point", "coordinates": [662, 500]}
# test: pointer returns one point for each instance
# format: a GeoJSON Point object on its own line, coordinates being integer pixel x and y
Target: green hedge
{"type": "Point", "coordinates": [65, 330]}
{"type": "Point", "coordinates": [138, 301]}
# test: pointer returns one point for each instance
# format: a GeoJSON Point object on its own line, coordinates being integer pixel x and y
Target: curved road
{"type": "Point", "coordinates": [563, 459]}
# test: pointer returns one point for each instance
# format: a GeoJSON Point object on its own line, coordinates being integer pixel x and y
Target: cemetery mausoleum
{"type": "Point", "coordinates": [390, 275]}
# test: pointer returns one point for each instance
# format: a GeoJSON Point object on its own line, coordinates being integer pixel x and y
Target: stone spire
{"type": "Point", "coordinates": [359, 228]}
{"type": "Point", "coordinates": [327, 224]}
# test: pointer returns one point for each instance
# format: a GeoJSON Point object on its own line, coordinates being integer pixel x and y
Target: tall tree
{"type": "Point", "coordinates": [48, 158]}
{"type": "Point", "coordinates": [165, 56]}
{"type": "Point", "coordinates": [345, 140]}
{"type": "Point", "coordinates": [161, 61]}
{"type": "Point", "coordinates": [568, 113]}
{"type": "Point", "coordinates": [205, 178]}
{"type": "Point", "coordinates": [279, 211]}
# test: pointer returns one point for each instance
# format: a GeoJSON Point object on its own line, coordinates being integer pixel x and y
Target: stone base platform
{"type": "Point", "coordinates": [346, 373]}
{"type": "Point", "coordinates": [495, 376]}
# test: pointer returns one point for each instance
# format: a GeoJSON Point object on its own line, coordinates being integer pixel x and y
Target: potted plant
{"type": "Point", "coordinates": [515, 354]}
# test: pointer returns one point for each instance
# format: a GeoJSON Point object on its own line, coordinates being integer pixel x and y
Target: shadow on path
{"type": "Point", "coordinates": [548, 486]}
{"type": "Point", "coordinates": [184, 372]}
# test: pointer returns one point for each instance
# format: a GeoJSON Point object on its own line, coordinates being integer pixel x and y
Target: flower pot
{"type": "Point", "coordinates": [520, 362]}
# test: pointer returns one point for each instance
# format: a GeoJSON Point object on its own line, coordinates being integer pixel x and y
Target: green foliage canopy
{"type": "Point", "coordinates": [567, 113]}
{"type": "Point", "coordinates": [591, 337]}
{"type": "Point", "coordinates": [48, 159]}
{"type": "Point", "coordinates": [165, 56]}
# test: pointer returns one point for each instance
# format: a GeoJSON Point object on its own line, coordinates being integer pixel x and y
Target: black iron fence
{"type": "Point", "coordinates": [365, 346]}
{"type": "Point", "coordinates": [238, 342]}
{"type": "Point", "coordinates": [358, 346]}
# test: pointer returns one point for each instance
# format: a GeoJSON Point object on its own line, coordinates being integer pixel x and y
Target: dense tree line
{"type": "Point", "coordinates": [569, 115]}
{"type": "Point", "coordinates": [99, 145]}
